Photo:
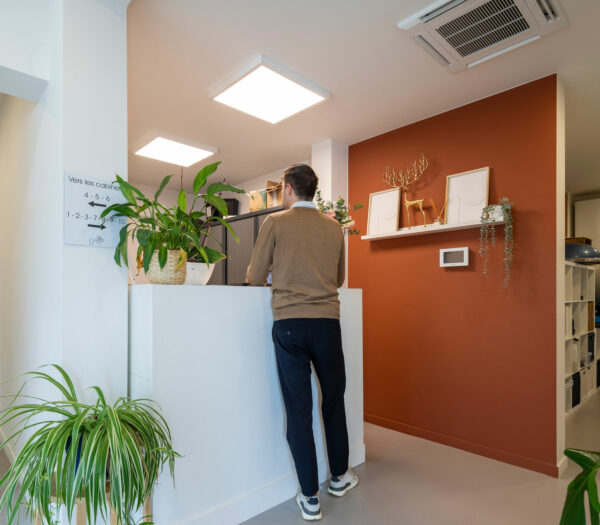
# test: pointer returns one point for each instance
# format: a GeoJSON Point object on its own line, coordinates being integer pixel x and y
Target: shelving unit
{"type": "Point", "coordinates": [581, 356]}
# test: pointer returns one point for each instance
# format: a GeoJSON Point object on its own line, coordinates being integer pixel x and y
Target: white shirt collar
{"type": "Point", "coordinates": [304, 204]}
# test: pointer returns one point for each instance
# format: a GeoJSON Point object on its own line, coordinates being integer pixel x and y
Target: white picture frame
{"type": "Point", "coordinates": [384, 212]}
{"type": "Point", "coordinates": [467, 195]}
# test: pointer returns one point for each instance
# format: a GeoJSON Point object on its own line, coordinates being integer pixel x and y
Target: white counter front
{"type": "Point", "coordinates": [205, 355]}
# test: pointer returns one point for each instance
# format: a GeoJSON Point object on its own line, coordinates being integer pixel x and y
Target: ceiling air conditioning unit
{"type": "Point", "coordinates": [464, 33]}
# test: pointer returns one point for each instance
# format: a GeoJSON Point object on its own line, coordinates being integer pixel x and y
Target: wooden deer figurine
{"type": "Point", "coordinates": [409, 204]}
{"type": "Point", "coordinates": [404, 179]}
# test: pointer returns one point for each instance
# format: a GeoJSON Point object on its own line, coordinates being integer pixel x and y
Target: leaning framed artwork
{"type": "Point", "coordinates": [467, 195]}
{"type": "Point", "coordinates": [384, 212]}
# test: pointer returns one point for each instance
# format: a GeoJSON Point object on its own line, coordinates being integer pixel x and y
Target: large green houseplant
{"type": "Point", "coordinates": [111, 455]}
{"type": "Point", "coordinates": [179, 231]}
{"type": "Point", "coordinates": [574, 508]}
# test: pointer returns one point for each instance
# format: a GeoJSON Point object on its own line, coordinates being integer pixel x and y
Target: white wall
{"type": "Point", "coordinates": [62, 304]}
{"type": "Point", "coordinates": [25, 34]}
{"type": "Point", "coordinates": [31, 211]}
{"type": "Point", "coordinates": [587, 224]}
{"type": "Point", "coordinates": [25, 54]}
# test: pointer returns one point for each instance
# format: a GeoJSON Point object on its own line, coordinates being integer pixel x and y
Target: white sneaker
{"type": "Point", "coordinates": [339, 486]}
{"type": "Point", "coordinates": [310, 507]}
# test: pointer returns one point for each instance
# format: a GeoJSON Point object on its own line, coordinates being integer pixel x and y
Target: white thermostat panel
{"type": "Point", "coordinates": [454, 257]}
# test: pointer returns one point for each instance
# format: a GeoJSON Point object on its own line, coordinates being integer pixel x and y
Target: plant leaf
{"type": "Point", "coordinates": [593, 495]}
{"type": "Point", "coordinates": [203, 174]}
{"type": "Point", "coordinates": [142, 236]}
{"type": "Point", "coordinates": [181, 201]}
{"type": "Point", "coordinates": [164, 182]}
{"type": "Point", "coordinates": [574, 507]}
{"type": "Point", "coordinates": [214, 255]}
{"type": "Point", "coordinates": [218, 202]}
{"type": "Point", "coordinates": [227, 225]}
{"type": "Point", "coordinates": [217, 187]}
{"type": "Point", "coordinates": [162, 256]}
{"type": "Point", "coordinates": [128, 190]}
{"type": "Point", "coordinates": [148, 252]}
{"type": "Point", "coordinates": [117, 255]}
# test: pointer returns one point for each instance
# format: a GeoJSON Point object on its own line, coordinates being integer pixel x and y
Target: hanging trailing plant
{"type": "Point", "coordinates": [487, 239]}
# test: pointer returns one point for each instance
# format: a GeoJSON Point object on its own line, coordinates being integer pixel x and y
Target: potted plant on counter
{"type": "Point", "coordinates": [120, 452]}
{"type": "Point", "coordinates": [167, 236]}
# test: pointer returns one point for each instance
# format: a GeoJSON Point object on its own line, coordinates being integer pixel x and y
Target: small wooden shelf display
{"type": "Point", "coordinates": [581, 354]}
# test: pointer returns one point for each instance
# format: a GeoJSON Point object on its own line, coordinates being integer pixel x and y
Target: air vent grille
{"type": "Point", "coordinates": [484, 26]}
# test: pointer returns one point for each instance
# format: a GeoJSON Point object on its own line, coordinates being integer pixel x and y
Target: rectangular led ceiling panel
{"type": "Point", "coordinates": [174, 152]}
{"type": "Point", "coordinates": [269, 91]}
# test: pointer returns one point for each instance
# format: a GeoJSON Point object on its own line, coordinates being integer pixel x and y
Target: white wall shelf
{"type": "Point", "coordinates": [579, 335]}
{"type": "Point", "coordinates": [424, 230]}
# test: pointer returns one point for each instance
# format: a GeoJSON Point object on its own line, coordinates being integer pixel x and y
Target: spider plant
{"type": "Point", "coordinates": [159, 229]}
{"type": "Point", "coordinates": [120, 452]}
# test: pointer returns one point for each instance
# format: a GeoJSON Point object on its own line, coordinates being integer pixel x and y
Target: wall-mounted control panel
{"type": "Point", "coordinates": [451, 257]}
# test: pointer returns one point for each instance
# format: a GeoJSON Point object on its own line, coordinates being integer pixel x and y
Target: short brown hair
{"type": "Point", "coordinates": [302, 179]}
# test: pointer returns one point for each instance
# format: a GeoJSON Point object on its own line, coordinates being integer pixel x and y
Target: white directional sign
{"type": "Point", "coordinates": [85, 199]}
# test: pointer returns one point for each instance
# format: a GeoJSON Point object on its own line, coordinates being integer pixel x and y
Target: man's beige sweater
{"type": "Point", "coordinates": [305, 249]}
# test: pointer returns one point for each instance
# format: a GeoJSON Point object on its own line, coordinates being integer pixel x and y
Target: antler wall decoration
{"type": "Point", "coordinates": [403, 179]}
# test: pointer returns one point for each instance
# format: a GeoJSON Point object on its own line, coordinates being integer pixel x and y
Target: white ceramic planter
{"type": "Point", "coordinates": [496, 213]}
{"type": "Point", "coordinates": [198, 273]}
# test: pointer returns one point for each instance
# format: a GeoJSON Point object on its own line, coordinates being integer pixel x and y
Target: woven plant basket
{"type": "Point", "coordinates": [170, 274]}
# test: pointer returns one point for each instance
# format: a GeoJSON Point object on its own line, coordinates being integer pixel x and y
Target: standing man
{"type": "Point", "coordinates": [305, 250]}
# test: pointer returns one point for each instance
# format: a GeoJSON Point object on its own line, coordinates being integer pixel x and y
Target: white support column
{"type": "Point", "coordinates": [561, 459]}
{"type": "Point", "coordinates": [95, 144]}
{"type": "Point", "coordinates": [330, 162]}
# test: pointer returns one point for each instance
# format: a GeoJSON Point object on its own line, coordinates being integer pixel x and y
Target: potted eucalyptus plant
{"type": "Point", "coordinates": [120, 451]}
{"type": "Point", "coordinates": [340, 212]}
{"type": "Point", "coordinates": [503, 211]}
{"type": "Point", "coordinates": [166, 236]}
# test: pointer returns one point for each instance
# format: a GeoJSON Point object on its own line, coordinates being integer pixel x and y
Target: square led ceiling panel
{"type": "Point", "coordinates": [269, 91]}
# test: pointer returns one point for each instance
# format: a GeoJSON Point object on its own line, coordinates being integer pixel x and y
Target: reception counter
{"type": "Point", "coordinates": [205, 355]}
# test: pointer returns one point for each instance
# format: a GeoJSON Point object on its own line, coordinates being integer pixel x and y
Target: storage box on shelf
{"type": "Point", "coordinates": [581, 359]}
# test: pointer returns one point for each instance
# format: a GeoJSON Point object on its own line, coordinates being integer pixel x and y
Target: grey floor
{"type": "Point", "coordinates": [411, 481]}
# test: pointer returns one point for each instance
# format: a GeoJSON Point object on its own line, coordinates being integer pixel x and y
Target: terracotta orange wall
{"type": "Point", "coordinates": [450, 355]}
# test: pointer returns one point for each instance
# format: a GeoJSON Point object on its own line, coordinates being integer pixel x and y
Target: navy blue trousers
{"type": "Point", "coordinates": [298, 343]}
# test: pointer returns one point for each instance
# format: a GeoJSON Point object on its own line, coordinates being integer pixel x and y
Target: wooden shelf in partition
{"type": "Point", "coordinates": [424, 230]}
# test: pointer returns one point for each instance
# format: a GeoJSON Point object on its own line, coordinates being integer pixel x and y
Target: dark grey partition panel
{"type": "Point", "coordinates": [239, 254]}
{"type": "Point", "coordinates": [261, 219]}
{"type": "Point", "coordinates": [219, 274]}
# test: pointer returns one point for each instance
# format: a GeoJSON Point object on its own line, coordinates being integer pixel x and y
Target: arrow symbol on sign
{"type": "Point", "coordinates": [92, 204]}
{"type": "Point", "coordinates": [101, 226]}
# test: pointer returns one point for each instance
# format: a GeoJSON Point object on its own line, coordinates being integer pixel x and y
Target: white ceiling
{"type": "Point", "coordinates": [379, 78]}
